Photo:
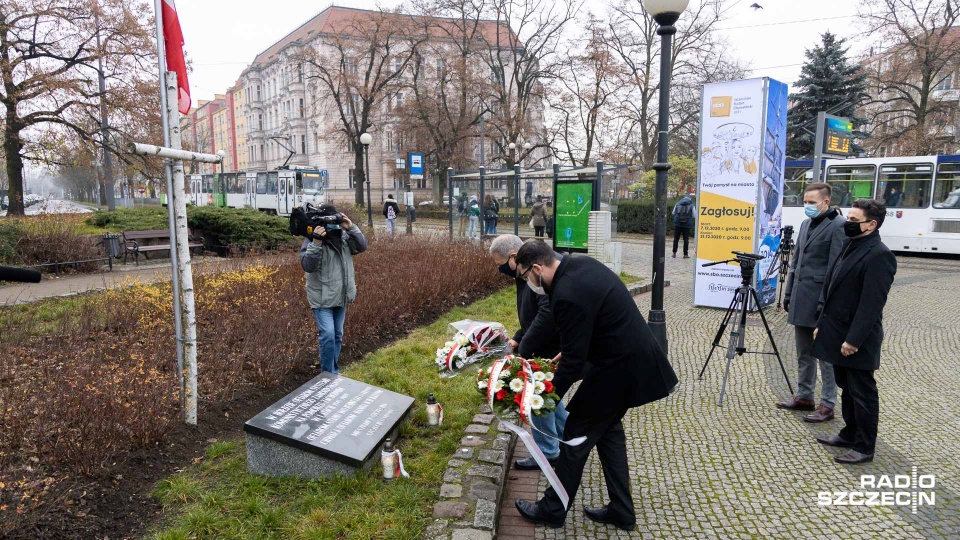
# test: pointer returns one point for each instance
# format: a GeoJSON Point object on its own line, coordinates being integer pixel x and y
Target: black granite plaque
{"type": "Point", "coordinates": [334, 417]}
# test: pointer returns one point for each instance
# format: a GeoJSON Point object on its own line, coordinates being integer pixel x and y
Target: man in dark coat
{"type": "Point", "coordinates": [537, 337]}
{"type": "Point", "coordinates": [849, 333]}
{"type": "Point", "coordinates": [602, 330]}
{"type": "Point", "coordinates": [818, 246]}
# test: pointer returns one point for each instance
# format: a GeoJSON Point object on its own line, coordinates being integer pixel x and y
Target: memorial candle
{"type": "Point", "coordinates": [389, 460]}
{"type": "Point", "coordinates": [434, 412]}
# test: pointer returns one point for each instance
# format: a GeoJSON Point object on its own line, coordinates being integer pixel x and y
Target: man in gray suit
{"type": "Point", "coordinates": [818, 246]}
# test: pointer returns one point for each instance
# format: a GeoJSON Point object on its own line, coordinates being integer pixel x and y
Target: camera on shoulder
{"type": "Point", "coordinates": [306, 219]}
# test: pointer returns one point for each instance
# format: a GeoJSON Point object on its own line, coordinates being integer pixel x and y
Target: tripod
{"type": "Point", "coordinates": [737, 313]}
{"type": "Point", "coordinates": [786, 252]}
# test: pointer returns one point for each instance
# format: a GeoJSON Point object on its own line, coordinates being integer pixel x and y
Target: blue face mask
{"type": "Point", "coordinates": [811, 210]}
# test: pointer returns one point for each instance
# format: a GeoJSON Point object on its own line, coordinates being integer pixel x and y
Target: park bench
{"type": "Point", "coordinates": [137, 242]}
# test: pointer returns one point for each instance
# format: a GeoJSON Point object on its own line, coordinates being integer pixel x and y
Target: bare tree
{"type": "Point", "coordinates": [699, 56]}
{"type": "Point", "coordinates": [589, 79]}
{"type": "Point", "coordinates": [447, 83]}
{"type": "Point", "coordinates": [920, 49]}
{"type": "Point", "coordinates": [48, 63]}
{"type": "Point", "coordinates": [359, 64]}
{"type": "Point", "coordinates": [521, 56]}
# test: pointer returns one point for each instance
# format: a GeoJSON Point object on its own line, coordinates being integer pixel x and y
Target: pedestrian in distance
{"type": "Point", "coordinates": [817, 247]}
{"type": "Point", "coordinates": [390, 211]}
{"type": "Point", "coordinates": [606, 339]}
{"type": "Point", "coordinates": [473, 216]}
{"type": "Point", "coordinates": [683, 218]}
{"type": "Point", "coordinates": [462, 214]}
{"type": "Point", "coordinates": [537, 337]}
{"type": "Point", "coordinates": [490, 214]}
{"type": "Point", "coordinates": [849, 331]}
{"type": "Point", "coordinates": [538, 217]}
{"type": "Point", "coordinates": [327, 260]}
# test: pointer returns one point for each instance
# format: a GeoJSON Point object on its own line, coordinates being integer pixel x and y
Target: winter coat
{"type": "Point", "coordinates": [329, 269]}
{"type": "Point", "coordinates": [539, 214]}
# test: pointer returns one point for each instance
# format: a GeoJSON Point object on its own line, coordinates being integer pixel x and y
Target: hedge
{"type": "Point", "coordinates": [636, 216]}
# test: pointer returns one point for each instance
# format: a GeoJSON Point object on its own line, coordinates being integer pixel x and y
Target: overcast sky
{"type": "Point", "coordinates": [222, 37]}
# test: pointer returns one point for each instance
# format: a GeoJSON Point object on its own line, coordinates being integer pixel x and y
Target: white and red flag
{"type": "Point", "coordinates": [173, 45]}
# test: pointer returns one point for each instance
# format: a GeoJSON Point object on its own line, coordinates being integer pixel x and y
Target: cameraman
{"type": "Point", "coordinates": [328, 261]}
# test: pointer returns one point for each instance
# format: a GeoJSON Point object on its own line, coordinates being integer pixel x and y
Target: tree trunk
{"type": "Point", "coordinates": [11, 147]}
{"type": "Point", "coordinates": [360, 175]}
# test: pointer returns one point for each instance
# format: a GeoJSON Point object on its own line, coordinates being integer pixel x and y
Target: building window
{"type": "Point", "coordinates": [262, 156]}
{"type": "Point", "coordinates": [316, 142]}
{"type": "Point", "coordinates": [946, 83]}
{"type": "Point", "coordinates": [389, 140]}
{"type": "Point", "coordinates": [303, 144]}
{"type": "Point", "coordinates": [301, 108]}
{"type": "Point", "coordinates": [350, 178]}
{"type": "Point", "coordinates": [260, 121]}
{"type": "Point", "coordinates": [350, 147]}
{"type": "Point", "coordinates": [399, 99]}
{"type": "Point", "coordinates": [259, 98]}
{"type": "Point", "coordinates": [441, 68]}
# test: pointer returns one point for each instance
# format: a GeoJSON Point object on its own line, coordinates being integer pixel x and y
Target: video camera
{"type": "Point", "coordinates": [307, 218]}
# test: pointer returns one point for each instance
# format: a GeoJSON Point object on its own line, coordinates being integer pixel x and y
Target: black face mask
{"type": "Point", "coordinates": [506, 270]}
{"type": "Point", "coordinates": [852, 228]}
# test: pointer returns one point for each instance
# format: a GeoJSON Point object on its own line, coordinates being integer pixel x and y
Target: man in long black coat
{"type": "Point", "coordinates": [602, 330]}
{"type": "Point", "coordinates": [849, 332]}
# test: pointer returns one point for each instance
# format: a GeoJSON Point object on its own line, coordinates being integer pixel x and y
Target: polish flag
{"type": "Point", "coordinates": [173, 44]}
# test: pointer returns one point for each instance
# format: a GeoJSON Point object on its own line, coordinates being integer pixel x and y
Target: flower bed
{"type": "Point", "coordinates": [86, 380]}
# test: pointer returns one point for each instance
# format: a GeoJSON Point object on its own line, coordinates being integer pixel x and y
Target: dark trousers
{"type": "Point", "coordinates": [607, 435]}
{"type": "Point", "coordinates": [861, 407]}
{"type": "Point", "coordinates": [677, 231]}
{"type": "Point", "coordinates": [538, 231]}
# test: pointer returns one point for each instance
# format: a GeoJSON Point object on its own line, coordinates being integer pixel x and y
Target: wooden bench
{"type": "Point", "coordinates": [136, 242]}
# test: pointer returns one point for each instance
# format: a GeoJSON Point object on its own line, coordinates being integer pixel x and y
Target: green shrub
{"type": "Point", "coordinates": [219, 226]}
{"type": "Point", "coordinates": [636, 216]}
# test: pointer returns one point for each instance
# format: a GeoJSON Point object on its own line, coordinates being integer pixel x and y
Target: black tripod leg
{"type": "Point", "coordinates": [772, 342]}
{"type": "Point", "coordinates": [736, 337]}
{"type": "Point", "coordinates": [723, 327]}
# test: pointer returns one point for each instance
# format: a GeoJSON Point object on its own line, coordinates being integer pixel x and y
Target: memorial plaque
{"type": "Point", "coordinates": [332, 417]}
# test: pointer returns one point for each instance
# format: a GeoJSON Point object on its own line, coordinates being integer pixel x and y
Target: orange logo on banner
{"type": "Point", "coordinates": [725, 225]}
{"type": "Point", "coordinates": [720, 106]}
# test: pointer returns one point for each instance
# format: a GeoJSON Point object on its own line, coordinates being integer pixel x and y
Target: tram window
{"type": "Point", "coordinates": [272, 183]}
{"type": "Point", "coordinates": [905, 185]}
{"type": "Point", "coordinates": [208, 184]}
{"type": "Point", "coordinates": [794, 180]}
{"type": "Point", "coordinates": [290, 186]}
{"type": "Point", "coordinates": [261, 184]}
{"type": "Point", "coordinates": [946, 190]}
{"type": "Point", "coordinates": [311, 182]}
{"type": "Point", "coordinates": [850, 182]}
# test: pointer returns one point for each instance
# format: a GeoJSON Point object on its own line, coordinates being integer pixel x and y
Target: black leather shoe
{"type": "Point", "coordinates": [531, 512]}
{"type": "Point", "coordinates": [853, 457]}
{"type": "Point", "coordinates": [602, 515]}
{"type": "Point", "coordinates": [530, 464]}
{"type": "Point", "coordinates": [833, 440]}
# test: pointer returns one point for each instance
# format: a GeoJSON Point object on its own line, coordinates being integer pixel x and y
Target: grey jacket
{"type": "Point", "coordinates": [814, 252]}
{"type": "Point", "coordinates": [330, 277]}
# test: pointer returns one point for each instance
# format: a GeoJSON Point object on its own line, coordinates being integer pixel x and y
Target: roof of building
{"type": "Point", "coordinates": [344, 20]}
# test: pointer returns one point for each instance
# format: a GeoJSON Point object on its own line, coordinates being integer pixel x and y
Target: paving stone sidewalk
{"type": "Point", "coordinates": [749, 470]}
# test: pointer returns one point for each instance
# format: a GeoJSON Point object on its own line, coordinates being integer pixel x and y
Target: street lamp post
{"type": "Point", "coordinates": [665, 13]}
{"type": "Point", "coordinates": [365, 140]}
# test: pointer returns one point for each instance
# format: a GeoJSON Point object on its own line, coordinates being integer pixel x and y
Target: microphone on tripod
{"type": "Point", "coordinates": [8, 273]}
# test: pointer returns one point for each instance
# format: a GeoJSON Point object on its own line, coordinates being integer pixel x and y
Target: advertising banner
{"type": "Point", "coordinates": [572, 215]}
{"type": "Point", "coordinates": [740, 183]}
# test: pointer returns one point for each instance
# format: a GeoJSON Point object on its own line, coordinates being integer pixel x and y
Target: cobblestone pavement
{"type": "Point", "coordinates": [749, 470]}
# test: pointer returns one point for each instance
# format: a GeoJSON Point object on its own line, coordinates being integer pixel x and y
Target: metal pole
{"type": "Point", "coordinates": [366, 177]}
{"type": "Point", "coordinates": [483, 139]}
{"type": "Point", "coordinates": [483, 223]}
{"type": "Point", "coordinates": [657, 316]}
{"type": "Point", "coordinates": [597, 191]}
{"type": "Point", "coordinates": [450, 190]}
{"type": "Point", "coordinates": [516, 200]}
{"type": "Point", "coordinates": [104, 123]}
{"type": "Point", "coordinates": [168, 170]}
{"type": "Point", "coordinates": [818, 146]}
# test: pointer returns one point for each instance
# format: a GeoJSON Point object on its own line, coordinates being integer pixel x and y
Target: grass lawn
{"type": "Point", "coordinates": [218, 498]}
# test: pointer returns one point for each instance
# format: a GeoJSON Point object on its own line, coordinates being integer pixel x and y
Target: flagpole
{"type": "Point", "coordinates": [168, 170]}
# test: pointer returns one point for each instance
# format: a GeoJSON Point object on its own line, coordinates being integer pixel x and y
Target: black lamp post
{"type": "Point", "coordinates": [666, 13]}
{"type": "Point", "coordinates": [365, 140]}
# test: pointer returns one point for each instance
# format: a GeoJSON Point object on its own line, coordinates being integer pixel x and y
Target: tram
{"type": "Point", "coordinates": [922, 195]}
{"type": "Point", "coordinates": [274, 192]}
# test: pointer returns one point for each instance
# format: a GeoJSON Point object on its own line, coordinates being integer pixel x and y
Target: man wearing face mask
{"type": "Point", "coordinates": [818, 245]}
{"type": "Point", "coordinates": [327, 260]}
{"type": "Point", "coordinates": [849, 332]}
{"type": "Point", "coordinates": [600, 327]}
{"type": "Point", "coordinates": [537, 337]}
